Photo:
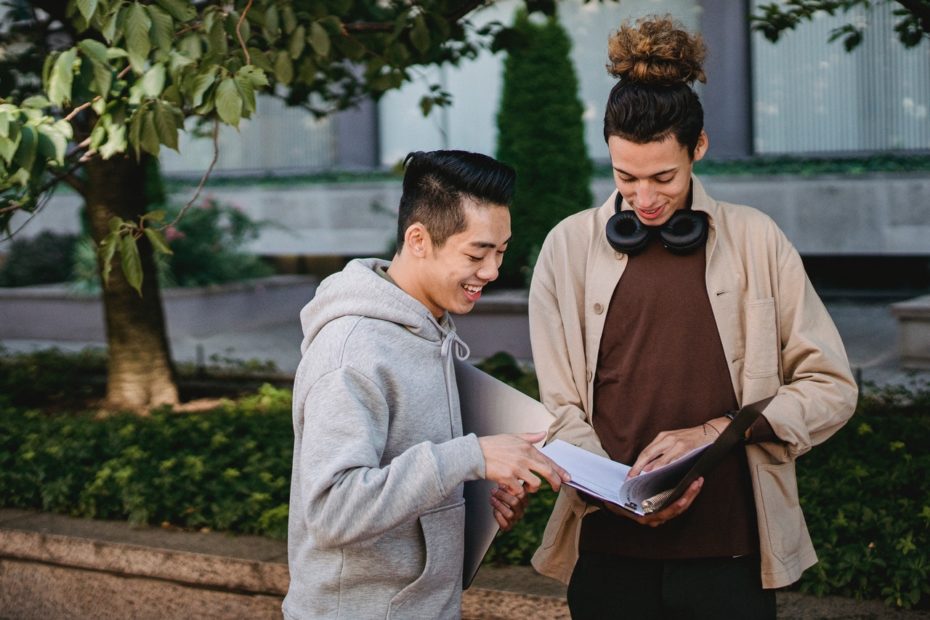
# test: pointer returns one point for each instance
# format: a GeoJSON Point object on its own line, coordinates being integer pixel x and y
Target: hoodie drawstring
{"type": "Point", "coordinates": [452, 345]}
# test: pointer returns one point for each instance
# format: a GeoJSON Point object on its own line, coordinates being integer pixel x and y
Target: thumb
{"type": "Point", "coordinates": [533, 437]}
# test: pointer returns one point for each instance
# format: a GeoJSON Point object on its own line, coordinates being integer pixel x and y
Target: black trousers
{"type": "Point", "coordinates": [605, 586]}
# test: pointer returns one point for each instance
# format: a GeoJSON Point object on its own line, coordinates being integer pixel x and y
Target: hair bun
{"type": "Point", "coordinates": [657, 50]}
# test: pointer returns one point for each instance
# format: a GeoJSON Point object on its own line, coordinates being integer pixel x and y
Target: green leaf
{"type": "Point", "coordinates": [138, 43]}
{"type": "Point", "coordinates": [165, 125]}
{"type": "Point", "coordinates": [116, 140]}
{"type": "Point", "coordinates": [52, 144]}
{"type": "Point", "coordinates": [419, 36]}
{"type": "Point", "coordinates": [36, 102]}
{"type": "Point", "coordinates": [61, 77]}
{"type": "Point", "coordinates": [87, 8]}
{"type": "Point", "coordinates": [272, 24]}
{"type": "Point", "coordinates": [200, 84]}
{"type": "Point", "coordinates": [319, 39]}
{"type": "Point", "coordinates": [162, 28]}
{"type": "Point", "coordinates": [7, 149]}
{"type": "Point", "coordinates": [255, 75]}
{"type": "Point", "coordinates": [178, 9]}
{"type": "Point", "coordinates": [106, 250]}
{"type": "Point", "coordinates": [96, 53]}
{"type": "Point", "coordinates": [216, 39]}
{"type": "Point", "coordinates": [130, 262]}
{"type": "Point", "coordinates": [228, 102]}
{"type": "Point", "coordinates": [153, 82]}
{"type": "Point", "coordinates": [113, 23]}
{"type": "Point", "coordinates": [28, 144]}
{"type": "Point", "coordinates": [246, 93]}
{"type": "Point", "coordinates": [94, 50]}
{"type": "Point", "coordinates": [284, 68]}
{"type": "Point", "coordinates": [157, 239]}
{"type": "Point", "coordinates": [148, 139]}
{"type": "Point", "coordinates": [297, 42]}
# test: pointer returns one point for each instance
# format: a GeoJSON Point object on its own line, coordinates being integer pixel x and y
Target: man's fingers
{"type": "Point", "coordinates": [533, 437]}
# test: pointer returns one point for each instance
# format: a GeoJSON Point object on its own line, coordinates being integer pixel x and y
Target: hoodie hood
{"type": "Point", "coordinates": [358, 290]}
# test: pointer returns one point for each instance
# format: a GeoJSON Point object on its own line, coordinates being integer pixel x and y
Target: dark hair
{"type": "Point", "coordinates": [656, 62]}
{"type": "Point", "coordinates": [436, 182]}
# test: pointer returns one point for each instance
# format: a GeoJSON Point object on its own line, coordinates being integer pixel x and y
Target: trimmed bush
{"type": "Point", "coordinates": [865, 493]}
{"type": "Point", "coordinates": [43, 259]}
{"type": "Point", "coordinates": [541, 134]}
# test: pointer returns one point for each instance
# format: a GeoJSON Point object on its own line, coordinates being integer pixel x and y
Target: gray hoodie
{"type": "Point", "coordinates": [376, 508]}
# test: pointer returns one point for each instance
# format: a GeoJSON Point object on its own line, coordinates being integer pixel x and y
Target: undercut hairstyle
{"type": "Point", "coordinates": [656, 62]}
{"type": "Point", "coordinates": [437, 182]}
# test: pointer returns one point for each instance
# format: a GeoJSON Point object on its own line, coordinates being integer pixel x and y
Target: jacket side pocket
{"type": "Point", "coordinates": [783, 522]}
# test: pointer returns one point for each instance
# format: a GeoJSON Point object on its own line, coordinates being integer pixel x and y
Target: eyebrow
{"type": "Point", "coordinates": [660, 173]}
{"type": "Point", "coordinates": [488, 244]}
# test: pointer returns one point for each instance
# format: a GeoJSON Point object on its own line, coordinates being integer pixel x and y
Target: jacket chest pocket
{"type": "Point", "coordinates": [761, 339]}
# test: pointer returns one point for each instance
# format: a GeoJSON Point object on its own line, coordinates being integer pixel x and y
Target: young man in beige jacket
{"type": "Point", "coordinates": [650, 318]}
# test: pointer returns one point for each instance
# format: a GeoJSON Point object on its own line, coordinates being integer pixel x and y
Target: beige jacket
{"type": "Point", "coordinates": [777, 337]}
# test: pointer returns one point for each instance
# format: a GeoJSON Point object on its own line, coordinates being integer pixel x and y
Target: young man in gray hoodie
{"type": "Point", "coordinates": [376, 510]}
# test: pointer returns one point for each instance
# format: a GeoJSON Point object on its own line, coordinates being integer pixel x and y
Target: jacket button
{"type": "Point", "coordinates": [598, 308]}
{"type": "Point", "coordinates": [589, 375]}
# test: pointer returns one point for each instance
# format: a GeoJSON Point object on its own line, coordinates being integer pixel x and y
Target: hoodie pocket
{"type": "Point", "coordinates": [437, 592]}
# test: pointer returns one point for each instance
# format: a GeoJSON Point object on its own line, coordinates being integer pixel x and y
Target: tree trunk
{"type": "Point", "coordinates": [140, 374]}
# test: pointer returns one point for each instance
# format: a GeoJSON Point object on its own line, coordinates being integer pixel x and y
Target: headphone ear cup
{"type": "Point", "coordinates": [625, 233]}
{"type": "Point", "coordinates": [685, 232]}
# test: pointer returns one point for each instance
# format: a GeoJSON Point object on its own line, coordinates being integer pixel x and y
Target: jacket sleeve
{"type": "Point", "coordinates": [555, 321]}
{"type": "Point", "coordinates": [818, 393]}
{"type": "Point", "coordinates": [348, 495]}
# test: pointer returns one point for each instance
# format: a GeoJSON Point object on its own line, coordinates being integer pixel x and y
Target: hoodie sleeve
{"type": "Point", "coordinates": [347, 495]}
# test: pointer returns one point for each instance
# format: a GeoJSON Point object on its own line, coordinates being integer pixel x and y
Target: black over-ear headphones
{"type": "Point", "coordinates": [683, 233]}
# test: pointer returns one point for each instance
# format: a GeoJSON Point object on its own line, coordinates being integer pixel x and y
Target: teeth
{"type": "Point", "coordinates": [471, 289]}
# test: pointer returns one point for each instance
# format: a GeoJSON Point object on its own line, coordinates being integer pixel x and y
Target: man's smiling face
{"type": "Point", "coordinates": [454, 275]}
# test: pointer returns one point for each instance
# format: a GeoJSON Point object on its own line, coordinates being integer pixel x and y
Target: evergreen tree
{"type": "Point", "coordinates": [541, 134]}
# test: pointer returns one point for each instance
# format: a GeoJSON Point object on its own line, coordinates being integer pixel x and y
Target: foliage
{"type": "Point", "coordinates": [865, 493]}
{"type": "Point", "coordinates": [866, 497]}
{"type": "Point", "coordinates": [42, 259]}
{"type": "Point", "coordinates": [227, 469]}
{"type": "Point", "coordinates": [49, 377]}
{"type": "Point", "coordinates": [774, 18]}
{"type": "Point", "coordinates": [541, 134]}
{"type": "Point", "coordinates": [206, 248]}
{"type": "Point", "coordinates": [122, 77]}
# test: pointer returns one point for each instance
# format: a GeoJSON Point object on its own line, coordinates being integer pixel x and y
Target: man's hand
{"type": "Point", "coordinates": [510, 461]}
{"type": "Point", "coordinates": [508, 509]}
{"type": "Point", "coordinates": [668, 513]}
{"type": "Point", "coordinates": [671, 445]}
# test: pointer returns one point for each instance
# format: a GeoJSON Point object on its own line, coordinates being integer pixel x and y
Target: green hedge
{"type": "Point", "coordinates": [866, 492]}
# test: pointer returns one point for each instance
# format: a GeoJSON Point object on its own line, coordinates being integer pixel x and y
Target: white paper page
{"type": "Point", "coordinates": [590, 472]}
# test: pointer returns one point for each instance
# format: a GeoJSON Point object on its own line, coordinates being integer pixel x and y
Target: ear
{"type": "Point", "coordinates": [701, 148]}
{"type": "Point", "coordinates": [417, 240]}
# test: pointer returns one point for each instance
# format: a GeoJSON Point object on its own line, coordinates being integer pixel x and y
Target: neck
{"type": "Point", "coordinates": [404, 273]}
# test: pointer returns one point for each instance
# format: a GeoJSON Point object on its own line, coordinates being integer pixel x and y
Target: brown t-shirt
{"type": "Point", "coordinates": [661, 366]}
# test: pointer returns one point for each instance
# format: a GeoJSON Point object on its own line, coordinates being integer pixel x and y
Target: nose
{"type": "Point", "coordinates": [490, 268]}
{"type": "Point", "coordinates": [645, 194]}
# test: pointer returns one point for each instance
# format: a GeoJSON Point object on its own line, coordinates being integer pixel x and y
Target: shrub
{"type": "Point", "coordinates": [43, 259]}
{"type": "Point", "coordinates": [866, 496]}
{"type": "Point", "coordinates": [228, 469]}
{"type": "Point", "coordinates": [541, 134]}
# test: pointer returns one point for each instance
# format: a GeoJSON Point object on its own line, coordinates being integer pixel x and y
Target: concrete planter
{"type": "Point", "coordinates": [55, 313]}
{"type": "Point", "coordinates": [914, 332]}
